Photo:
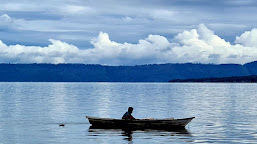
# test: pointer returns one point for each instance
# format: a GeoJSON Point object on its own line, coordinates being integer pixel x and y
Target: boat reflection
{"type": "Point", "coordinates": [128, 134]}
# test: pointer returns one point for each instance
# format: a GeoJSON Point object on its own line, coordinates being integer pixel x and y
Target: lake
{"type": "Point", "coordinates": [31, 112]}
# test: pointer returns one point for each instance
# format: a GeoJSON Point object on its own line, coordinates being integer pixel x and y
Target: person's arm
{"type": "Point", "coordinates": [132, 117]}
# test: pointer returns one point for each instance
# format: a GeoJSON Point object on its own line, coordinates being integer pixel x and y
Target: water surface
{"type": "Point", "coordinates": [31, 112]}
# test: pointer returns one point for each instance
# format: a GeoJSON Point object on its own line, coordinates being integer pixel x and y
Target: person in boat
{"type": "Point", "coordinates": [128, 115]}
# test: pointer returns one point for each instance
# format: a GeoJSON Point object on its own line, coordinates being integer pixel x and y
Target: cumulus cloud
{"type": "Point", "coordinates": [248, 38]}
{"type": "Point", "coordinates": [199, 45]}
{"type": "Point", "coordinates": [57, 52]}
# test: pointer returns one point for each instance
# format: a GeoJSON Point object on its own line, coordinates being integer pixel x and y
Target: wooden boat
{"type": "Point", "coordinates": [109, 123]}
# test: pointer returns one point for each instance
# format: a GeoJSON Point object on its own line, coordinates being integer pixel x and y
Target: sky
{"type": "Point", "coordinates": [116, 32]}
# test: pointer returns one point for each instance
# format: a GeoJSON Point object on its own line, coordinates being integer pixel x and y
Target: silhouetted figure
{"type": "Point", "coordinates": [128, 115]}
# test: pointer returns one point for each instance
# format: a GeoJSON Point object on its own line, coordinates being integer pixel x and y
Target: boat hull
{"type": "Point", "coordinates": [138, 123]}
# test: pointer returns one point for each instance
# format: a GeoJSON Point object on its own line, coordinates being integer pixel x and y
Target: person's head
{"type": "Point", "coordinates": [130, 109]}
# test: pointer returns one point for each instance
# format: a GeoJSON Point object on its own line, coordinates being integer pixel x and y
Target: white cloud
{"type": "Point", "coordinates": [248, 38]}
{"type": "Point", "coordinates": [57, 52]}
{"type": "Point", "coordinates": [158, 17]}
{"type": "Point", "coordinates": [5, 20]}
{"type": "Point", "coordinates": [199, 45]}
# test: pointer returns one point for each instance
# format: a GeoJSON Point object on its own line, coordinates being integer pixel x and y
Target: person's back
{"type": "Point", "coordinates": [128, 115]}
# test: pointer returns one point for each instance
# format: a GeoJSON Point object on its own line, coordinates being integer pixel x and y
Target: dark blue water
{"type": "Point", "coordinates": [31, 112]}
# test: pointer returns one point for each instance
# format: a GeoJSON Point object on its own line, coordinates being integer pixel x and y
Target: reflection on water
{"type": "Point", "coordinates": [127, 134]}
{"type": "Point", "coordinates": [31, 112]}
{"type": "Point", "coordinates": [141, 135]}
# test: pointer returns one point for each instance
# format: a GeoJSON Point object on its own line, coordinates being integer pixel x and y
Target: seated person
{"type": "Point", "coordinates": [128, 115]}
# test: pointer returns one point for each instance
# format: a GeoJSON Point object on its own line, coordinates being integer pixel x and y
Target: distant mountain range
{"type": "Point", "coordinates": [140, 73]}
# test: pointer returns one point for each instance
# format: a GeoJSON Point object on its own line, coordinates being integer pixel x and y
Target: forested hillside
{"type": "Point", "coordinates": [99, 73]}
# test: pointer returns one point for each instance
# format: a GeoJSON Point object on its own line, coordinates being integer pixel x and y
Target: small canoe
{"type": "Point", "coordinates": [110, 123]}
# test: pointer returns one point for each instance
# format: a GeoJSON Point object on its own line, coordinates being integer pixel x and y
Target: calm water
{"type": "Point", "coordinates": [31, 112]}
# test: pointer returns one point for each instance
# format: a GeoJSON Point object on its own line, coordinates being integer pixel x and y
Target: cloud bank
{"type": "Point", "coordinates": [199, 45]}
{"type": "Point", "coordinates": [77, 21]}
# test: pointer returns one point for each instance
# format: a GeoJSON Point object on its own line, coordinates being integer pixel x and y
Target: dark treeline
{"type": "Point", "coordinates": [99, 73]}
{"type": "Point", "coordinates": [234, 79]}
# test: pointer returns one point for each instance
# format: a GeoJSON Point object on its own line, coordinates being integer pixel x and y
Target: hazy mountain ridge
{"type": "Point", "coordinates": [100, 73]}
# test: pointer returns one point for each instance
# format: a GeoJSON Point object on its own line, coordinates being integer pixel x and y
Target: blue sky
{"type": "Point", "coordinates": [115, 32]}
